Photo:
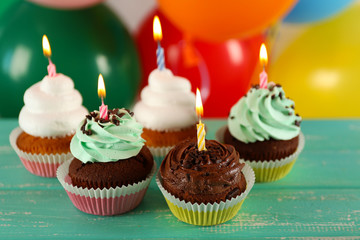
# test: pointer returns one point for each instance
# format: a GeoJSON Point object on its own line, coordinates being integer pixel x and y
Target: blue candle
{"type": "Point", "coordinates": [160, 59]}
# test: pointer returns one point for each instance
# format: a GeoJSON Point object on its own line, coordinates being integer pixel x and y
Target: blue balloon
{"type": "Point", "coordinates": [315, 10]}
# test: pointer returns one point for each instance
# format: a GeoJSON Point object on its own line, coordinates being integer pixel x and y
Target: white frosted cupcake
{"type": "Point", "coordinates": [52, 111]}
{"type": "Point", "coordinates": [167, 112]}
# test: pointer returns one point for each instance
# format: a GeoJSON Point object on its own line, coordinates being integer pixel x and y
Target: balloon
{"type": "Point", "coordinates": [320, 69]}
{"type": "Point", "coordinates": [84, 43]}
{"type": "Point", "coordinates": [215, 20]}
{"type": "Point", "coordinates": [311, 11]}
{"type": "Point", "coordinates": [67, 4]}
{"type": "Point", "coordinates": [222, 71]}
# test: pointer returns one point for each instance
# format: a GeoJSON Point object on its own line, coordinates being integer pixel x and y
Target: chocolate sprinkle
{"type": "Point", "coordinates": [273, 96]}
{"type": "Point", "coordinates": [278, 85]}
{"type": "Point", "coordinates": [233, 193]}
{"type": "Point", "coordinates": [232, 117]}
{"type": "Point", "coordinates": [297, 123]}
{"type": "Point", "coordinates": [93, 114]}
{"type": "Point", "coordinates": [131, 113]}
{"type": "Point", "coordinates": [271, 88]}
{"type": "Point", "coordinates": [281, 95]}
{"type": "Point", "coordinates": [290, 113]}
{"type": "Point", "coordinates": [102, 120]}
{"type": "Point", "coordinates": [88, 132]}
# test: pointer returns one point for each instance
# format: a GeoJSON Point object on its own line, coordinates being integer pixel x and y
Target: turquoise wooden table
{"type": "Point", "coordinates": [320, 197]}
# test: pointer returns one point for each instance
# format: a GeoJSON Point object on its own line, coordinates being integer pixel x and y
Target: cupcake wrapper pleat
{"type": "Point", "coordinates": [207, 214]}
{"type": "Point", "coordinates": [106, 201]}
{"type": "Point", "coordinates": [159, 153]}
{"type": "Point", "coordinates": [44, 165]}
{"type": "Point", "coordinates": [270, 170]}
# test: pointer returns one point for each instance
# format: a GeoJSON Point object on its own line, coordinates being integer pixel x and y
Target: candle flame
{"type": "Point", "coordinates": [199, 106]}
{"type": "Point", "coordinates": [263, 55]}
{"type": "Point", "coordinates": [157, 29]}
{"type": "Point", "coordinates": [101, 87]}
{"type": "Point", "coordinates": [46, 46]}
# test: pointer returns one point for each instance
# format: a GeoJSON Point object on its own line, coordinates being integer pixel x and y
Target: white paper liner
{"type": "Point", "coordinates": [63, 171]}
{"type": "Point", "coordinates": [160, 151]}
{"type": "Point", "coordinates": [250, 180]}
{"type": "Point", "coordinates": [219, 136]}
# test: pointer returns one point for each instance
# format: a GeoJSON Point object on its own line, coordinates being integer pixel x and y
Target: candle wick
{"type": "Point", "coordinates": [263, 67]}
{"type": "Point", "coordinates": [102, 100]}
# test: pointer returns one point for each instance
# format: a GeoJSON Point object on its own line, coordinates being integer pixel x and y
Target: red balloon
{"type": "Point", "coordinates": [222, 71]}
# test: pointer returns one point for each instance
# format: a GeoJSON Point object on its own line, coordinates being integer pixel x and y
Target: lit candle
{"type": "Point", "coordinates": [263, 61]}
{"type": "Point", "coordinates": [102, 93]}
{"type": "Point", "coordinates": [160, 59]}
{"type": "Point", "coordinates": [47, 52]}
{"type": "Point", "coordinates": [200, 127]}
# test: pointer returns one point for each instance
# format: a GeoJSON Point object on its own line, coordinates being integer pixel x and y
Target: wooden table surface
{"type": "Point", "coordinates": [320, 197]}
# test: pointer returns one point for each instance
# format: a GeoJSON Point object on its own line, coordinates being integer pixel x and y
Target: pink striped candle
{"type": "Point", "coordinates": [102, 93]}
{"type": "Point", "coordinates": [263, 79]}
{"type": "Point", "coordinates": [47, 52]}
{"type": "Point", "coordinates": [51, 69]}
{"type": "Point", "coordinates": [263, 61]}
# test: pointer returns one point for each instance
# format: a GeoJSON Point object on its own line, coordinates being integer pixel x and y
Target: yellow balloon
{"type": "Point", "coordinates": [320, 70]}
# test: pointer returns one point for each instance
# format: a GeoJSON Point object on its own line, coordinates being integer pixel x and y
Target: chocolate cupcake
{"type": "Point", "coordinates": [203, 176]}
{"type": "Point", "coordinates": [120, 173]}
{"type": "Point", "coordinates": [200, 186]}
{"type": "Point", "coordinates": [112, 167]}
{"type": "Point", "coordinates": [265, 130]}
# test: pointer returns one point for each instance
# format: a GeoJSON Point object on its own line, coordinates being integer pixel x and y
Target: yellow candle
{"type": "Point", "coordinates": [200, 126]}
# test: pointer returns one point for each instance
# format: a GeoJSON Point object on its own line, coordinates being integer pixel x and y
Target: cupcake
{"type": "Point", "coordinates": [166, 110]}
{"type": "Point", "coordinates": [204, 187]}
{"type": "Point", "coordinates": [112, 168]}
{"type": "Point", "coordinates": [264, 129]}
{"type": "Point", "coordinates": [52, 111]}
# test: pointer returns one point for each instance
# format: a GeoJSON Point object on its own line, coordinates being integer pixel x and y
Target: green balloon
{"type": "Point", "coordinates": [84, 43]}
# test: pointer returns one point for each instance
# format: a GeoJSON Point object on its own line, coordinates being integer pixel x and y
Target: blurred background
{"type": "Point", "coordinates": [313, 49]}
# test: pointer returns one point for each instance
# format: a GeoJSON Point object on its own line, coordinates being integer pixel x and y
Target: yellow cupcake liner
{"type": "Point", "coordinates": [272, 174]}
{"type": "Point", "coordinates": [270, 170]}
{"type": "Point", "coordinates": [204, 218]}
{"type": "Point", "coordinates": [207, 214]}
{"type": "Point", "coordinates": [273, 170]}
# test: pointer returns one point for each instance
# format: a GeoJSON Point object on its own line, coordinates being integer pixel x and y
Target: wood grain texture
{"type": "Point", "coordinates": [319, 198]}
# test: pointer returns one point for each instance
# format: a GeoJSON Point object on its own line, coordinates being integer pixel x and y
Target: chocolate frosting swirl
{"type": "Point", "coordinates": [203, 176]}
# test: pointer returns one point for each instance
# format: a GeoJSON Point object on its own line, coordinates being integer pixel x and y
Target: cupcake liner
{"type": "Point", "coordinates": [270, 170]}
{"type": "Point", "coordinates": [159, 153]}
{"type": "Point", "coordinates": [106, 201]}
{"type": "Point", "coordinates": [44, 165]}
{"type": "Point", "coordinates": [207, 214]}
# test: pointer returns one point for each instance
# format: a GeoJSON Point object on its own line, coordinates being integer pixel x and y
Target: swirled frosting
{"type": "Point", "coordinates": [167, 103]}
{"type": "Point", "coordinates": [100, 140]}
{"type": "Point", "coordinates": [52, 108]}
{"type": "Point", "coordinates": [203, 176]}
{"type": "Point", "coordinates": [263, 114]}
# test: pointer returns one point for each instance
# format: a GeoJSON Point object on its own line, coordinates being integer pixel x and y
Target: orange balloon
{"type": "Point", "coordinates": [215, 20]}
